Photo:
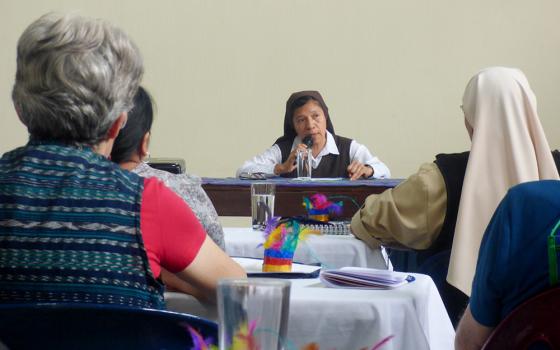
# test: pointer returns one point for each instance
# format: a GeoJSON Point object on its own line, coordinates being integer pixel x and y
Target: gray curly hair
{"type": "Point", "coordinates": [74, 77]}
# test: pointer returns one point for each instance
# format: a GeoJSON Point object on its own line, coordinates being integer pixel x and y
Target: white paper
{"type": "Point", "coordinates": [361, 277]}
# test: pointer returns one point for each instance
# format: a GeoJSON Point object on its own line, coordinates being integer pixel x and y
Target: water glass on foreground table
{"type": "Point", "coordinates": [262, 204]}
{"type": "Point", "coordinates": [253, 312]}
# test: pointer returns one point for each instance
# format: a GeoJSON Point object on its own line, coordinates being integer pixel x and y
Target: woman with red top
{"type": "Point", "coordinates": [129, 150]}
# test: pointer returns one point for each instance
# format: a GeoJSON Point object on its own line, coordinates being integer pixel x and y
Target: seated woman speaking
{"type": "Point", "coordinates": [307, 115]}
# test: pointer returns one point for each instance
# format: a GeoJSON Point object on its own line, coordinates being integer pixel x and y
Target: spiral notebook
{"type": "Point", "coordinates": [330, 228]}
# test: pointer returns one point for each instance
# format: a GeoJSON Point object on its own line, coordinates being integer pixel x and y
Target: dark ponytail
{"type": "Point", "coordinates": [139, 122]}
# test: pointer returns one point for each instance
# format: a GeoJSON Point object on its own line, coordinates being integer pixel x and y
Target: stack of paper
{"type": "Point", "coordinates": [361, 277]}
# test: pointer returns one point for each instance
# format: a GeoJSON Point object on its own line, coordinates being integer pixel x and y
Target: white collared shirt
{"type": "Point", "coordinates": [266, 161]}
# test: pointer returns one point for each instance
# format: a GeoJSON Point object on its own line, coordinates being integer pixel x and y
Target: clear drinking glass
{"type": "Point", "coordinates": [253, 310]}
{"type": "Point", "coordinates": [262, 204]}
{"type": "Point", "coordinates": [303, 163]}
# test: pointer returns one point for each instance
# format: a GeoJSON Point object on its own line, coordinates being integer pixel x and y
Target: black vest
{"type": "Point", "coordinates": [331, 165]}
{"type": "Point", "coordinates": [453, 168]}
{"type": "Point", "coordinates": [435, 260]}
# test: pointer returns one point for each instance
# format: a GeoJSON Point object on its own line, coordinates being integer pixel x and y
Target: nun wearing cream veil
{"type": "Point", "coordinates": [508, 147]}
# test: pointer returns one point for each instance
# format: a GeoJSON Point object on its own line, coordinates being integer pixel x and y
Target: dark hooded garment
{"type": "Point", "coordinates": [331, 165]}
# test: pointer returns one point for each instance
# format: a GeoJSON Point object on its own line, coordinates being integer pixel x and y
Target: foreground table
{"type": "Point", "coordinates": [330, 251]}
{"type": "Point", "coordinates": [231, 197]}
{"type": "Point", "coordinates": [352, 319]}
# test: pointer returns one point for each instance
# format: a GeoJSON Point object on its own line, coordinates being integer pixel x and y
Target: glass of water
{"type": "Point", "coordinates": [253, 313]}
{"type": "Point", "coordinates": [303, 163]}
{"type": "Point", "coordinates": [262, 204]}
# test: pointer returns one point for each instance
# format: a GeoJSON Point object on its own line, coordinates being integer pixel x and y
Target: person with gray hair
{"type": "Point", "coordinates": [75, 77]}
{"type": "Point", "coordinates": [74, 227]}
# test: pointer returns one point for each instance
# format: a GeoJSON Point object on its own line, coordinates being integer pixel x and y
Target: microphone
{"type": "Point", "coordinates": [308, 141]}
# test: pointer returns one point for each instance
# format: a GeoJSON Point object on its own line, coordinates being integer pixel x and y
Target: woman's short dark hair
{"type": "Point", "coordinates": [139, 122]}
{"type": "Point", "coordinates": [301, 101]}
{"type": "Point", "coordinates": [296, 100]}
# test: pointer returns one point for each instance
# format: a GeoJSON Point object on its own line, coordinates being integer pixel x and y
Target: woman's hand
{"type": "Point", "coordinates": [357, 170]}
{"type": "Point", "coordinates": [201, 276]}
{"type": "Point", "coordinates": [290, 164]}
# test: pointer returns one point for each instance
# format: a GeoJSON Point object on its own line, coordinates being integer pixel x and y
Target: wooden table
{"type": "Point", "coordinates": [232, 197]}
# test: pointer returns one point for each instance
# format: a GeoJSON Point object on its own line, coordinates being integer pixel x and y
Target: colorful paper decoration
{"type": "Point", "coordinates": [281, 239]}
{"type": "Point", "coordinates": [320, 208]}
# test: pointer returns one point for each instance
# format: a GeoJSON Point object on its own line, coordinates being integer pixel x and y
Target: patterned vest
{"type": "Point", "coordinates": [331, 165]}
{"type": "Point", "coordinates": [70, 230]}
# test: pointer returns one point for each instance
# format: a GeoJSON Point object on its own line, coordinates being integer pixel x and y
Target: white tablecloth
{"type": "Point", "coordinates": [331, 251]}
{"type": "Point", "coordinates": [351, 319]}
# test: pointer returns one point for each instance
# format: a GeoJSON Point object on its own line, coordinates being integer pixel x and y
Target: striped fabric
{"type": "Point", "coordinates": [70, 230]}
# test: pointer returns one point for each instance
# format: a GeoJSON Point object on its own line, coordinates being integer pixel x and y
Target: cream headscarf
{"type": "Point", "coordinates": [508, 147]}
